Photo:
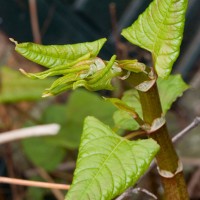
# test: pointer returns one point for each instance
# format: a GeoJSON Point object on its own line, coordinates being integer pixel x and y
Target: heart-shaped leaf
{"type": "Point", "coordinates": [107, 163]}
{"type": "Point", "coordinates": [160, 30]}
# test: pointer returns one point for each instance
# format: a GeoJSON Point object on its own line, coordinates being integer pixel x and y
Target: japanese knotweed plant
{"type": "Point", "coordinates": [107, 163]}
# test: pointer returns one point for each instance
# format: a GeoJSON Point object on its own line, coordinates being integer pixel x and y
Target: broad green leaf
{"type": "Point", "coordinates": [55, 55]}
{"type": "Point", "coordinates": [169, 89]}
{"type": "Point", "coordinates": [16, 87]}
{"type": "Point", "coordinates": [102, 171]}
{"type": "Point", "coordinates": [43, 154]}
{"type": "Point", "coordinates": [160, 30]}
{"type": "Point", "coordinates": [80, 104]}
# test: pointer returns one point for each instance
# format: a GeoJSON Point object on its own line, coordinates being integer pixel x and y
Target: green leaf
{"type": "Point", "coordinates": [55, 55]}
{"type": "Point", "coordinates": [101, 79]}
{"type": "Point", "coordinates": [123, 119]}
{"type": "Point", "coordinates": [102, 170]}
{"type": "Point", "coordinates": [16, 87]}
{"type": "Point", "coordinates": [169, 89]}
{"type": "Point", "coordinates": [160, 30]}
{"type": "Point", "coordinates": [121, 105]}
{"type": "Point", "coordinates": [80, 104]}
{"type": "Point", "coordinates": [43, 154]}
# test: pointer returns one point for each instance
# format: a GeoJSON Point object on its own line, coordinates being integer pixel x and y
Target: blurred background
{"type": "Point", "coordinates": [52, 159]}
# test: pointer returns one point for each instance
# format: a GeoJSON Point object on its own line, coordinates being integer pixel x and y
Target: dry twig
{"type": "Point", "coordinates": [35, 131]}
{"type": "Point", "coordinates": [58, 194]}
{"type": "Point", "coordinates": [33, 183]}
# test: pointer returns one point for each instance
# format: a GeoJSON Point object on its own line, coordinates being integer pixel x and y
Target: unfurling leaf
{"type": "Point", "coordinates": [98, 78]}
{"type": "Point", "coordinates": [102, 170]}
{"type": "Point", "coordinates": [160, 30]}
{"type": "Point", "coordinates": [132, 65]}
{"type": "Point", "coordinates": [77, 65]}
{"type": "Point", "coordinates": [55, 55]}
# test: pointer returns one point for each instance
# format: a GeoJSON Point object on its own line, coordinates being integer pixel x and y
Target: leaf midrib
{"type": "Point", "coordinates": [159, 30]}
{"type": "Point", "coordinates": [100, 169]}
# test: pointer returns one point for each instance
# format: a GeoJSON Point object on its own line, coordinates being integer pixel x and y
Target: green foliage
{"type": "Point", "coordinates": [49, 151]}
{"type": "Point", "coordinates": [169, 89]}
{"type": "Point", "coordinates": [55, 55]}
{"type": "Point", "coordinates": [43, 154]}
{"type": "Point", "coordinates": [102, 171]}
{"type": "Point", "coordinates": [77, 65]}
{"type": "Point", "coordinates": [160, 30]}
{"type": "Point", "coordinates": [16, 87]}
{"type": "Point", "coordinates": [123, 119]}
{"type": "Point", "coordinates": [71, 116]}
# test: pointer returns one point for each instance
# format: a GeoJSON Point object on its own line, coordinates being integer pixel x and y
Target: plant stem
{"type": "Point", "coordinates": [167, 159]}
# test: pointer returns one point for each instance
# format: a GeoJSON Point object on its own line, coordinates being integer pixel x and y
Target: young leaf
{"type": "Point", "coordinates": [123, 119]}
{"type": "Point", "coordinates": [101, 79]}
{"type": "Point", "coordinates": [160, 30]}
{"type": "Point", "coordinates": [121, 105]}
{"type": "Point", "coordinates": [55, 55]}
{"type": "Point", "coordinates": [102, 170]}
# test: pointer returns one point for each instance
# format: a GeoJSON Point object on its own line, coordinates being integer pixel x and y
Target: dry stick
{"type": "Point", "coordinates": [42, 130]}
{"type": "Point", "coordinates": [34, 21]}
{"type": "Point", "coordinates": [175, 139]}
{"type": "Point", "coordinates": [181, 134]}
{"type": "Point", "coordinates": [58, 194]}
{"type": "Point", "coordinates": [34, 183]}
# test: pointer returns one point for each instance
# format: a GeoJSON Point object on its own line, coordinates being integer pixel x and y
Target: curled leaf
{"type": "Point", "coordinates": [132, 65]}
{"type": "Point", "coordinates": [55, 55]}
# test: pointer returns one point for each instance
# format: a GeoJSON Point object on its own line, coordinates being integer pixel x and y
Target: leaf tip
{"type": "Point", "coordinates": [14, 41]}
{"type": "Point", "coordinates": [23, 71]}
{"type": "Point", "coordinates": [44, 95]}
